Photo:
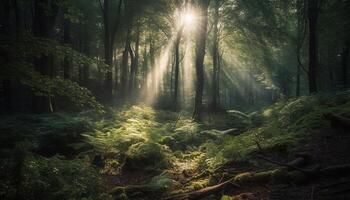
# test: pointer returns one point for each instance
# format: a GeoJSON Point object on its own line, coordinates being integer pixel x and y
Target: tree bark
{"type": "Point", "coordinates": [144, 68]}
{"type": "Point", "coordinates": [6, 83]}
{"type": "Point", "coordinates": [135, 60]}
{"type": "Point", "coordinates": [43, 25]}
{"type": "Point", "coordinates": [125, 63]}
{"type": "Point", "coordinates": [67, 40]}
{"type": "Point", "coordinates": [200, 54]}
{"type": "Point", "coordinates": [152, 68]}
{"type": "Point", "coordinates": [215, 77]}
{"type": "Point", "coordinates": [108, 48]}
{"type": "Point", "coordinates": [313, 11]}
{"type": "Point", "coordinates": [109, 38]}
{"type": "Point", "coordinates": [300, 41]}
{"type": "Point", "coordinates": [345, 58]}
{"type": "Point", "coordinates": [86, 51]}
{"type": "Point", "coordinates": [177, 67]}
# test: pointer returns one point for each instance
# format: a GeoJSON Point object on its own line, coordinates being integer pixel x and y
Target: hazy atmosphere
{"type": "Point", "coordinates": [174, 99]}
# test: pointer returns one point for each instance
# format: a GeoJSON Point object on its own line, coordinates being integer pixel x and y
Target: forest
{"type": "Point", "coordinates": [174, 99]}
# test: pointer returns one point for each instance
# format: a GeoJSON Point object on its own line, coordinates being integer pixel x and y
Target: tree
{"type": "Point", "coordinates": [67, 40]}
{"type": "Point", "coordinates": [300, 38]}
{"type": "Point", "coordinates": [177, 65]}
{"type": "Point", "coordinates": [200, 53]}
{"type": "Point", "coordinates": [110, 29]}
{"type": "Point", "coordinates": [215, 55]}
{"type": "Point", "coordinates": [45, 12]}
{"type": "Point", "coordinates": [313, 13]}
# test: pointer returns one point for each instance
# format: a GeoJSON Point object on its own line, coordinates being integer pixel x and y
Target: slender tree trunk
{"type": "Point", "coordinates": [172, 76]}
{"type": "Point", "coordinates": [215, 58]}
{"type": "Point", "coordinates": [313, 10]}
{"type": "Point", "coordinates": [300, 41]}
{"type": "Point", "coordinates": [298, 81]}
{"type": "Point", "coordinates": [125, 63]}
{"type": "Point", "coordinates": [177, 67]}
{"type": "Point", "coordinates": [144, 69]}
{"type": "Point", "coordinates": [6, 83]}
{"type": "Point", "coordinates": [135, 60]}
{"type": "Point", "coordinates": [200, 54]}
{"type": "Point", "coordinates": [110, 29]}
{"type": "Point", "coordinates": [218, 79]}
{"type": "Point", "coordinates": [345, 58]}
{"type": "Point", "coordinates": [108, 49]}
{"type": "Point", "coordinates": [153, 68]}
{"type": "Point", "coordinates": [67, 40]}
{"type": "Point", "coordinates": [43, 24]}
{"type": "Point", "coordinates": [86, 51]}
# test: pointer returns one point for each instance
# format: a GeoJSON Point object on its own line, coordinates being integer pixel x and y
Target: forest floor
{"type": "Point", "coordinates": [294, 150]}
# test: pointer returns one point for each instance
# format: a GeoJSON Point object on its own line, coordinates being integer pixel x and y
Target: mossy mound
{"type": "Point", "coordinates": [276, 176]}
{"type": "Point", "coordinates": [147, 156]}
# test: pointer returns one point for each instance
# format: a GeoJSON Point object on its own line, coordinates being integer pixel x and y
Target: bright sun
{"type": "Point", "coordinates": [189, 18]}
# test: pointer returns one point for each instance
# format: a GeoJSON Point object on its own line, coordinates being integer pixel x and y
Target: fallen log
{"type": "Point", "coordinates": [202, 192]}
{"type": "Point", "coordinates": [281, 175]}
{"type": "Point", "coordinates": [291, 165]}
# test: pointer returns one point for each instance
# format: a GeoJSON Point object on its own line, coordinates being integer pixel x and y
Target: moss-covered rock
{"type": "Point", "coordinates": [277, 176]}
{"type": "Point", "coordinates": [147, 156]}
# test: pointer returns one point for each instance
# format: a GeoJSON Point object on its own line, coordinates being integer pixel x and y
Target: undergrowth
{"type": "Point", "coordinates": [62, 156]}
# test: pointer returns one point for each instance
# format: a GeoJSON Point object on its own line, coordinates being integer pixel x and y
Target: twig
{"type": "Point", "coordinates": [283, 164]}
{"type": "Point", "coordinates": [202, 192]}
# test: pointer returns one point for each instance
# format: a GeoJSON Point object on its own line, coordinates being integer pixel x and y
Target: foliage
{"type": "Point", "coordinates": [17, 65]}
{"type": "Point", "coordinates": [146, 156]}
{"type": "Point", "coordinates": [286, 125]}
{"type": "Point", "coordinates": [50, 178]}
{"type": "Point", "coordinates": [139, 138]}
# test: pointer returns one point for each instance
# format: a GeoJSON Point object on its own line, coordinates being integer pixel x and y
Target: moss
{"type": "Point", "coordinates": [225, 197]}
{"type": "Point", "coordinates": [197, 185]}
{"type": "Point", "coordinates": [156, 185]}
{"type": "Point", "coordinates": [284, 176]}
{"type": "Point", "coordinates": [277, 176]}
{"type": "Point", "coordinates": [249, 178]}
{"type": "Point", "coordinates": [243, 178]}
{"type": "Point", "coordinates": [146, 156]}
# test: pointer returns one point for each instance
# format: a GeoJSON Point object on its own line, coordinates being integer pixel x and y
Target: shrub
{"type": "Point", "coordinates": [51, 179]}
{"type": "Point", "coordinates": [147, 156]}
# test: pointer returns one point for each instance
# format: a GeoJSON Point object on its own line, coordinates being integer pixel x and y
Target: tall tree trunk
{"type": "Point", "coordinates": [125, 63]}
{"type": "Point", "coordinates": [110, 29]}
{"type": "Point", "coordinates": [172, 75]}
{"type": "Point", "coordinates": [108, 49]}
{"type": "Point", "coordinates": [6, 30]}
{"type": "Point", "coordinates": [313, 11]}
{"type": "Point", "coordinates": [67, 40]}
{"type": "Point", "coordinates": [86, 51]}
{"type": "Point", "coordinates": [153, 71]}
{"type": "Point", "coordinates": [135, 60]}
{"type": "Point", "coordinates": [345, 58]}
{"type": "Point", "coordinates": [200, 54]}
{"type": "Point", "coordinates": [297, 94]}
{"type": "Point", "coordinates": [177, 67]}
{"type": "Point", "coordinates": [144, 69]}
{"type": "Point", "coordinates": [116, 74]}
{"type": "Point", "coordinates": [215, 56]}
{"type": "Point", "coordinates": [43, 24]}
{"type": "Point", "coordinates": [300, 7]}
